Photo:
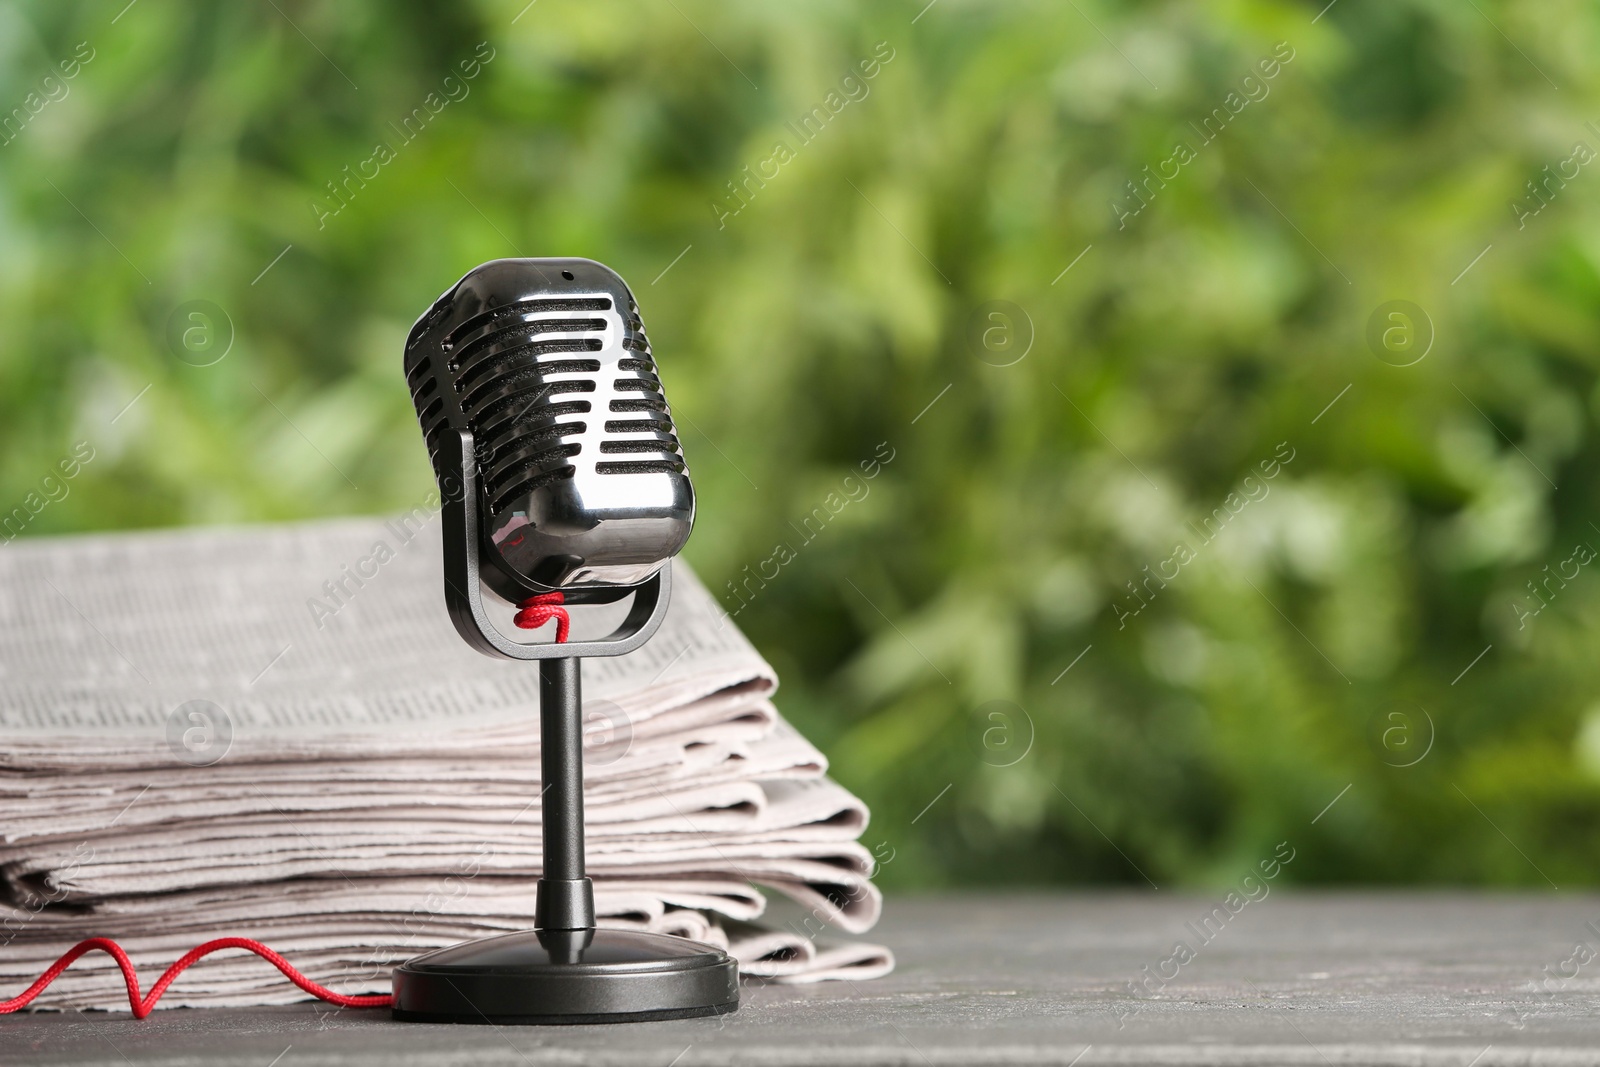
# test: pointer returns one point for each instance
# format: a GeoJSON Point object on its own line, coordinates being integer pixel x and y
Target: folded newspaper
{"type": "Point", "coordinates": [275, 733]}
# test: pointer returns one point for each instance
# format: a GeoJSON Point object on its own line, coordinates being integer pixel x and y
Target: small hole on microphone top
{"type": "Point", "coordinates": [567, 274]}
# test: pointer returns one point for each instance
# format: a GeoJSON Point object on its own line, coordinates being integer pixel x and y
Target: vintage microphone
{"type": "Point", "coordinates": [563, 482]}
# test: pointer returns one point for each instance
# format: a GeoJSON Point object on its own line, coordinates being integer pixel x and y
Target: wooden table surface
{"type": "Point", "coordinates": [1456, 979]}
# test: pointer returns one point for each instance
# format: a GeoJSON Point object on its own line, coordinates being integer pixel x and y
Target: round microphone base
{"type": "Point", "coordinates": [567, 976]}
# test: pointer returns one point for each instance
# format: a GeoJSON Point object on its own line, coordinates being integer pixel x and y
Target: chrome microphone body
{"type": "Point", "coordinates": [546, 363]}
{"type": "Point", "coordinates": [562, 483]}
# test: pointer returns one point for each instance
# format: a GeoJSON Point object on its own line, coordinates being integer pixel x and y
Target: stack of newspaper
{"type": "Point", "coordinates": [275, 733]}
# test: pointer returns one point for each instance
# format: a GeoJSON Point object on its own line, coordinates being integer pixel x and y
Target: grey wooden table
{"type": "Point", "coordinates": [1323, 979]}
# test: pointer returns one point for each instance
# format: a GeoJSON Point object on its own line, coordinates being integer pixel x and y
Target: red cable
{"type": "Point", "coordinates": [143, 1007]}
{"type": "Point", "coordinates": [534, 612]}
{"type": "Point", "coordinates": [540, 609]}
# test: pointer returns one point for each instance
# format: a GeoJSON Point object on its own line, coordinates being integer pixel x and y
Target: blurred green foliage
{"type": "Point", "coordinates": [1321, 637]}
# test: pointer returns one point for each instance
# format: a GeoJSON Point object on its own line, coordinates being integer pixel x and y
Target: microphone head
{"type": "Point", "coordinates": [581, 477]}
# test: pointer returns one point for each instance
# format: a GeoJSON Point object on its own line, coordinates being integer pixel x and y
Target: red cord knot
{"type": "Point", "coordinates": [538, 610]}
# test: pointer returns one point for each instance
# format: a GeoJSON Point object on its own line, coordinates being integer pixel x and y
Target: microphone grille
{"type": "Point", "coordinates": [517, 372]}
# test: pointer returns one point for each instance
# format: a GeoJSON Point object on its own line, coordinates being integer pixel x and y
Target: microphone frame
{"type": "Point", "coordinates": [463, 585]}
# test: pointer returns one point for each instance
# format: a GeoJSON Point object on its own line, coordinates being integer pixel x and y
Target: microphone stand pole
{"type": "Point", "coordinates": [565, 894]}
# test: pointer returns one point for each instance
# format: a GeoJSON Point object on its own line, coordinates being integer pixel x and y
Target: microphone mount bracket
{"type": "Point", "coordinates": [463, 580]}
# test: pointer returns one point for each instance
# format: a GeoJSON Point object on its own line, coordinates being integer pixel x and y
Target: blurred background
{"type": "Point", "coordinates": [1226, 373]}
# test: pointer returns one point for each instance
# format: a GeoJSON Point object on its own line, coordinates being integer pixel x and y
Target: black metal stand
{"type": "Point", "coordinates": [565, 970]}
{"type": "Point", "coordinates": [566, 896]}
